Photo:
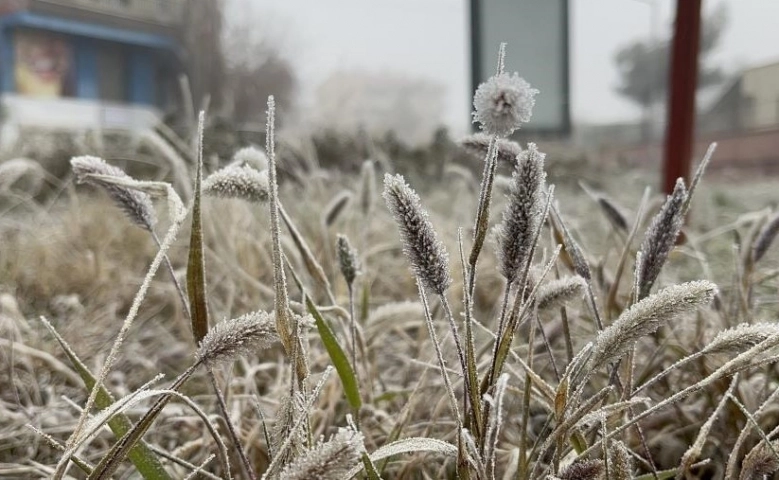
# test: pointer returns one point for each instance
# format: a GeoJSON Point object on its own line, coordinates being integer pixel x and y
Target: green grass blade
{"type": "Point", "coordinates": [145, 461]}
{"type": "Point", "coordinates": [196, 266]}
{"type": "Point", "coordinates": [111, 460]}
{"type": "Point", "coordinates": [337, 356]}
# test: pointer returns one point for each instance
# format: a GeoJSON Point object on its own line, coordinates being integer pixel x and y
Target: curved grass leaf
{"type": "Point", "coordinates": [145, 461]}
{"type": "Point", "coordinates": [337, 356]}
{"type": "Point", "coordinates": [111, 461]}
{"type": "Point", "coordinates": [409, 445]}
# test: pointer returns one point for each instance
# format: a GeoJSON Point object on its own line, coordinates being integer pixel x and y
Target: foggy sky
{"type": "Point", "coordinates": [428, 38]}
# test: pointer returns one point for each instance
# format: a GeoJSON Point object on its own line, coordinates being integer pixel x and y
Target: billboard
{"type": "Point", "coordinates": [42, 64]}
{"type": "Point", "coordinates": [536, 32]}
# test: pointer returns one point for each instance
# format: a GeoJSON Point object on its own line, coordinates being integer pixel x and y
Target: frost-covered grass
{"type": "Point", "coordinates": [576, 340]}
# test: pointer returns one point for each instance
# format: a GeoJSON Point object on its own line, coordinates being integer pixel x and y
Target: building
{"type": "Point", "coordinates": [88, 64]}
{"type": "Point", "coordinates": [750, 102]}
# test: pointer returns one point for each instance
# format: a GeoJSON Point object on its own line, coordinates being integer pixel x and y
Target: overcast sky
{"type": "Point", "coordinates": [428, 38]}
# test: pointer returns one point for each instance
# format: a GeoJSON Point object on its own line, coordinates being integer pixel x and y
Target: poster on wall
{"type": "Point", "coordinates": [42, 64]}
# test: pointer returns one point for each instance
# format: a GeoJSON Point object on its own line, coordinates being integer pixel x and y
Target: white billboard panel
{"type": "Point", "coordinates": [536, 32]}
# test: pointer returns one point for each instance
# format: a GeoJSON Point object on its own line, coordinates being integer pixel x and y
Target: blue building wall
{"type": "Point", "coordinates": [85, 64]}
{"type": "Point", "coordinates": [140, 51]}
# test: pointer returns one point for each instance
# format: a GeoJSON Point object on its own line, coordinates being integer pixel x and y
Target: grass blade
{"type": "Point", "coordinates": [196, 275]}
{"type": "Point", "coordinates": [337, 356]}
{"type": "Point", "coordinates": [145, 461]}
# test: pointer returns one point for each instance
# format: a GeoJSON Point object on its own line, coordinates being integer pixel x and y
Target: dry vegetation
{"type": "Point", "coordinates": [589, 334]}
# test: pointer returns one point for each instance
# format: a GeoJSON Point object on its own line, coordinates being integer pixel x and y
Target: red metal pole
{"type": "Point", "coordinates": [683, 85]}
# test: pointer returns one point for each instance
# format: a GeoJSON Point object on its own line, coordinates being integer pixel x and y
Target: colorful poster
{"type": "Point", "coordinates": [42, 64]}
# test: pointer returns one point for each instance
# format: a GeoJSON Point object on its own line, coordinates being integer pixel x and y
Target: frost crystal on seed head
{"type": "Point", "coordinates": [503, 103]}
{"type": "Point", "coordinates": [427, 254]}
{"type": "Point", "coordinates": [242, 182]}
{"type": "Point", "coordinates": [136, 204]}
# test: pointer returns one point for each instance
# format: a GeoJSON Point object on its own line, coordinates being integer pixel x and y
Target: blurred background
{"type": "Point", "coordinates": [402, 71]}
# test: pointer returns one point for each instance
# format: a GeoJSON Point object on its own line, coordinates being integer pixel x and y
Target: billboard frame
{"type": "Point", "coordinates": [564, 129]}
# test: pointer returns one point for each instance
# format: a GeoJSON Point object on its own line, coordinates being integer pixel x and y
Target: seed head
{"type": "Point", "coordinates": [136, 205]}
{"type": "Point", "coordinates": [621, 463]}
{"type": "Point", "coordinates": [232, 338]}
{"type": "Point", "coordinates": [336, 207]}
{"type": "Point", "coordinates": [241, 182]}
{"type": "Point", "coordinates": [572, 248]}
{"type": "Point", "coordinates": [478, 144]}
{"type": "Point", "coordinates": [522, 217]}
{"type": "Point", "coordinates": [646, 316]}
{"type": "Point", "coordinates": [661, 238]}
{"type": "Point", "coordinates": [252, 157]}
{"type": "Point", "coordinates": [347, 259]}
{"type": "Point", "coordinates": [425, 252]}
{"type": "Point", "coordinates": [765, 238]}
{"type": "Point", "coordinates": [503, 103]}
{"type": "Point", "coordinates": [558, 292]}
{"type": "Point", "coordinates": [760, 462]}
{"type": "Point", "coordinates": [741, 337]}
{"type": "Point", "coordinates": [329, 460]}
{"type": "Point", "coordinates": [583, 470]}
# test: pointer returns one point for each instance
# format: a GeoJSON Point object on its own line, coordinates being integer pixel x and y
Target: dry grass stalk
{"type": "Point", "coordinates": [367, 187]}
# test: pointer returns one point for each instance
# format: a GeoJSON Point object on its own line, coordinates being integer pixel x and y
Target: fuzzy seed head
{"type": "Point", "coordinates": [478, 145]}
{"type": "Point", "coordinates": [241, 182]}
{"type": "Point", "coordinates": [251, 157]}
{"type": "Point", "coordinates": [760, 462]}
{"type": "Point", "coordinates": [329, 460]}
{"type": "Point", "coordinates": [503, 103]}
{"type": "Point", "coordinates": [613, 212]}
{"type": "Point", "coordinates": [347, 259]}
{"type": "Point", "coordinates": [336, 207]}
{"type": "Point", "coordinates": [427, 255]}
{"type": "Point", "coordinates": [574, 251]}
{"type": "Point", "coordinates": [765, 238]}
{"type": "Point", "coordinates": [559, 292]}
{"type": "Point", "coordinates": [523, 214]}
{"type": "Point", "coordinates": [621, 462]}
{"type": "Point", "coordinates": [136, 205]}
{"type": "Point", "coordinates": [241, 336]}
{"type": "Point", "coordinates": [741, 337]}
{"type": "Point", "coordinates": [646, 316]}
{"type": "Point", "coordinates": [661, 238]}
{"type": "Point", "coordinates": [583, 470]}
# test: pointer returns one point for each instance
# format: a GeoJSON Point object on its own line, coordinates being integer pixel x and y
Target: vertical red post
{"type": "Point", "coordinates": [683, 85]}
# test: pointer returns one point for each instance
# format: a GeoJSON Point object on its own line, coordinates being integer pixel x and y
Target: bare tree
{"type": "Point", "coordinates": [644, 66]}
